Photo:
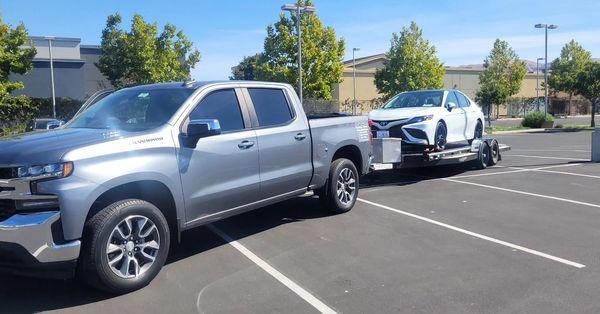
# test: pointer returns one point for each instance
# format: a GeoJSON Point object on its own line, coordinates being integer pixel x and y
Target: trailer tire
{"type": "Point", "coordinates": [494, 153]}
{"type": "Point", "coordinates": [144, 233]}
{"type": "Point", "coordinates": [341, 191]}
{"type": "Point", "coordinates": [483, 156]}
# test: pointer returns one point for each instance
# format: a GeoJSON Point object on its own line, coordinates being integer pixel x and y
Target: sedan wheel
{"type": "Point", "coordinates": [441, 134]}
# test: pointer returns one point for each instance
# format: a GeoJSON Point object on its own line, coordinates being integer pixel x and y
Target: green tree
{"type": "Point", "coordinates": [588, 86]}
{"type": "Point", "coordinates": [246, 69]}
{"type": "Point", "coordinates": [502, 76]}
{"type": "Point", "coordinates": [565, 69]}
{"type": "Point", "coordinates": [142, 55]}
{"type": "Point", "coordinates": [411, 64]}
{"type": "Point", "coordinates": [13, 57]}
{"type": "Point", "coordinates": [322, 54]}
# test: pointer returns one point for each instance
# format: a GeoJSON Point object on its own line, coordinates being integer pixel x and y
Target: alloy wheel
{"type": "Point", "coordinates": [346, 186]}
{"type": "Point", "coordinates": [133, 246]}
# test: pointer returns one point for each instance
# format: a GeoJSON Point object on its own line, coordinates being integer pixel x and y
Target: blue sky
{"type": "Point", "coordinates": [224, 31]}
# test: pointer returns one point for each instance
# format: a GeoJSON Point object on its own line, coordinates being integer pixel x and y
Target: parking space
{"type": "Point", "coordinates": [520, 237]}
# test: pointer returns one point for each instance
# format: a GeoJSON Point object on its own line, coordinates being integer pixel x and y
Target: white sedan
{"type": "Point", "coordinates": [429, 118]}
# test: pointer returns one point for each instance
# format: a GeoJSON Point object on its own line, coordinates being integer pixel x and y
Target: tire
{"type": "Point", "coordinates": [341, 191]}
{"type": "Point", "coordinates": [478, 133]}
{"type": "Point", "coordinates": [494, 153]}
{"type": "Point", "coordinates": [440, 138]}
{"type": "Point", "coordinates": [145, 244]}
{"type": "Point", "coordinates": [483, 157]}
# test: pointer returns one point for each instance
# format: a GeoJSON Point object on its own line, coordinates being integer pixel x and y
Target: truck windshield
{"type": "Point", "coordinates": [416, 99]}
{"type": "Point", "coordinates": [132, 110]}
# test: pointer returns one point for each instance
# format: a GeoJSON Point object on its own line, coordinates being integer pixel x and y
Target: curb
{"type": "Point", "coordinates": [519, 131]}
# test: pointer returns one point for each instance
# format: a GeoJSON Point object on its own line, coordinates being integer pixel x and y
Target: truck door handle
{"type": "Point", "coordinates": [299, 137]}
{"type": "Point", "coordinates": [245, 144]}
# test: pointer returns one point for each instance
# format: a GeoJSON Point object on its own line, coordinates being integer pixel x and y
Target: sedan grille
{"type": "Point", "coordinates": [8, 172]}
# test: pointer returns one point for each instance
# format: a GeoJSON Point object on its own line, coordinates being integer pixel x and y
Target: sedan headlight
{"type": "Point", "coordinates": [420, 119]}
{"type": "Point", "coordinates": [58, 170]}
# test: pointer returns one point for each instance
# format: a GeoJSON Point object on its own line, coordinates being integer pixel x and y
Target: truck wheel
{"type": "Point", "coordinates": [124, 246]}
{"type": "Point", "coordinates": [341, 191]}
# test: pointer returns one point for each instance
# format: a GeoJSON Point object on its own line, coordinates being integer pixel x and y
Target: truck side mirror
{"type": "Point", "coordinates": [197, 129]}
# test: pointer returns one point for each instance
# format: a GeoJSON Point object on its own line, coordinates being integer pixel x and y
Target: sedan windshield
{"type": "Point", "coordinates": [416, 99]}
{"type": "Point", "coordinates": [132, 110]}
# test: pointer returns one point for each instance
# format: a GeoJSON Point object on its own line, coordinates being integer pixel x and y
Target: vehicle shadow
{"type": "Point", "coordinates": [30, 295]}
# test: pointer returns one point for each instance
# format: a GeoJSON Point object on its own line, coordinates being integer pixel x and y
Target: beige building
{"type": "Point", "coordinates": [465, 79]}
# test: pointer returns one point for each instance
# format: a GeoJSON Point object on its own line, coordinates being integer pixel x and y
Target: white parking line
{"type": "Point", "coordinates": [517, 170]}
{"type": "Point", "coordinates": [477, 235]}
{"type": "Point", "coordinates": [544, 169]}
{"type": "Point", "coordinates": [547, 157]}
{"type": "Point", "coordinates": [523, 192]}
{"type": "Point", "coordinates": [301, 292]}
{"type": "Point", "coordinates": [553, 150]}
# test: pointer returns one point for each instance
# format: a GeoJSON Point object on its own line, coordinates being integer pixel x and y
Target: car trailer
{"type": "Point", "coordinates": [388, 153]}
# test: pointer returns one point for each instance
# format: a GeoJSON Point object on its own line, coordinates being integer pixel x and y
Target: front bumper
{"type": "Point", "coordinates": [33, 232]}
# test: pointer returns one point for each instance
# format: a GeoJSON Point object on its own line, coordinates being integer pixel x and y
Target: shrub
{"type": "Point", "coordinates": [16, 111]}
{"type": "Point", "coordinates": [535, 119]}
{"type": "Point", "coordinates": [66, 107]}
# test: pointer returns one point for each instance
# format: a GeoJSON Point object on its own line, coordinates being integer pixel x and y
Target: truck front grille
{"type": "Point", "coordinates": [8, 172]}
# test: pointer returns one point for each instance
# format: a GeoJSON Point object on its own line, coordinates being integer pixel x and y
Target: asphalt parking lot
{"type": "Point", "coordinates": [518, 238]}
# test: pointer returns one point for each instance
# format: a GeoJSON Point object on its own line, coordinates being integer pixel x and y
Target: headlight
{"type": "Point", "coordinates": [58, 170]}
{"type": "Point", "coordinates": [420, 119]}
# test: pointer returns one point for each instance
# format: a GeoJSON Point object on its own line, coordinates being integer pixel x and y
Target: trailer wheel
{"type": "Point", "coordinates": [494, 153]}
{"type": "Point", "coordinates": [483, 156]}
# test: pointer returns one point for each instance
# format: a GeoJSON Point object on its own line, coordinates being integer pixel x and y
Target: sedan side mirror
{"type": "Point", "coordinates": [450, 106]}
{"type": "Point", "coordinates": [198, 129]}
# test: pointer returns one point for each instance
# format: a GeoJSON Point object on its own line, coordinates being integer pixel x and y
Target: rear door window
{"type": "Point", "coordinates": [463, 102]}
{"type": "Point", "coordinates": [271, 106]}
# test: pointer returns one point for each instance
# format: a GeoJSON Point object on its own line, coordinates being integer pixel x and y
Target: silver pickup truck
{"type": "Point", "coordinates": [104, 195]}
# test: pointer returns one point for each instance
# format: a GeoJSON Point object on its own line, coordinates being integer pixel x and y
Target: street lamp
{"type": "Point", "coordinates": [50, 39]}
{"type": "Point", "coordinates": [354, 78]}
{"type": "Point", "coordinates": [299, 9]}
{"type": "Point", "coordinates": [546, 27]}
{"type": "Point", "coordinates": [537, 82]}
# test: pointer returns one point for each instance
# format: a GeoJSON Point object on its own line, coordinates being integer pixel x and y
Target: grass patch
{"type": "Point", "coordinates": [577, 127]}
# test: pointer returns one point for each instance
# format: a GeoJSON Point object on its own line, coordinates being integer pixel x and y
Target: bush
{"type": "Point", "coordinates": [66, 107]}
{"type": "Point", "coordinates": [16, 111]}
{"type": "Point", "coordinates": [536, 119]}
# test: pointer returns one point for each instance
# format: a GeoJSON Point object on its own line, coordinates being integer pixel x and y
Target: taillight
{"type": "Point", "coordinates": [371, 131]}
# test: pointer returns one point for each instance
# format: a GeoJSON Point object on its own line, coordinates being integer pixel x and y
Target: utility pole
{"type": "Point", "coordinates": [299, 9]}
{"type": "Point", "coordinates": [546, 27]}
{"type": "Point", "coordinates": [50, 38]}
{"type": "Point", "coordinates": [537, 83]}
{"type": "Point", "coordinates": [354, 104]}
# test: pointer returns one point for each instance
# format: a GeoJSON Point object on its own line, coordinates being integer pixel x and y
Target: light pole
{"type": "Point", "coordinates": [537, 82]}
{"type": "Point", "coordinates": [546, 27]}
{"type": "Point", "coordinates": [50, 39]}
{"type": "Point", "coordinates": [299, 9]}
{"type": "Point", "coordinates": [354, 78]}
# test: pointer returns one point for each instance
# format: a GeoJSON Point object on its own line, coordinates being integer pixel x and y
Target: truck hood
{"type": "Point", "coordinates": [43, 147]}
{"type": "Point", "coordinates": [402, 113]}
